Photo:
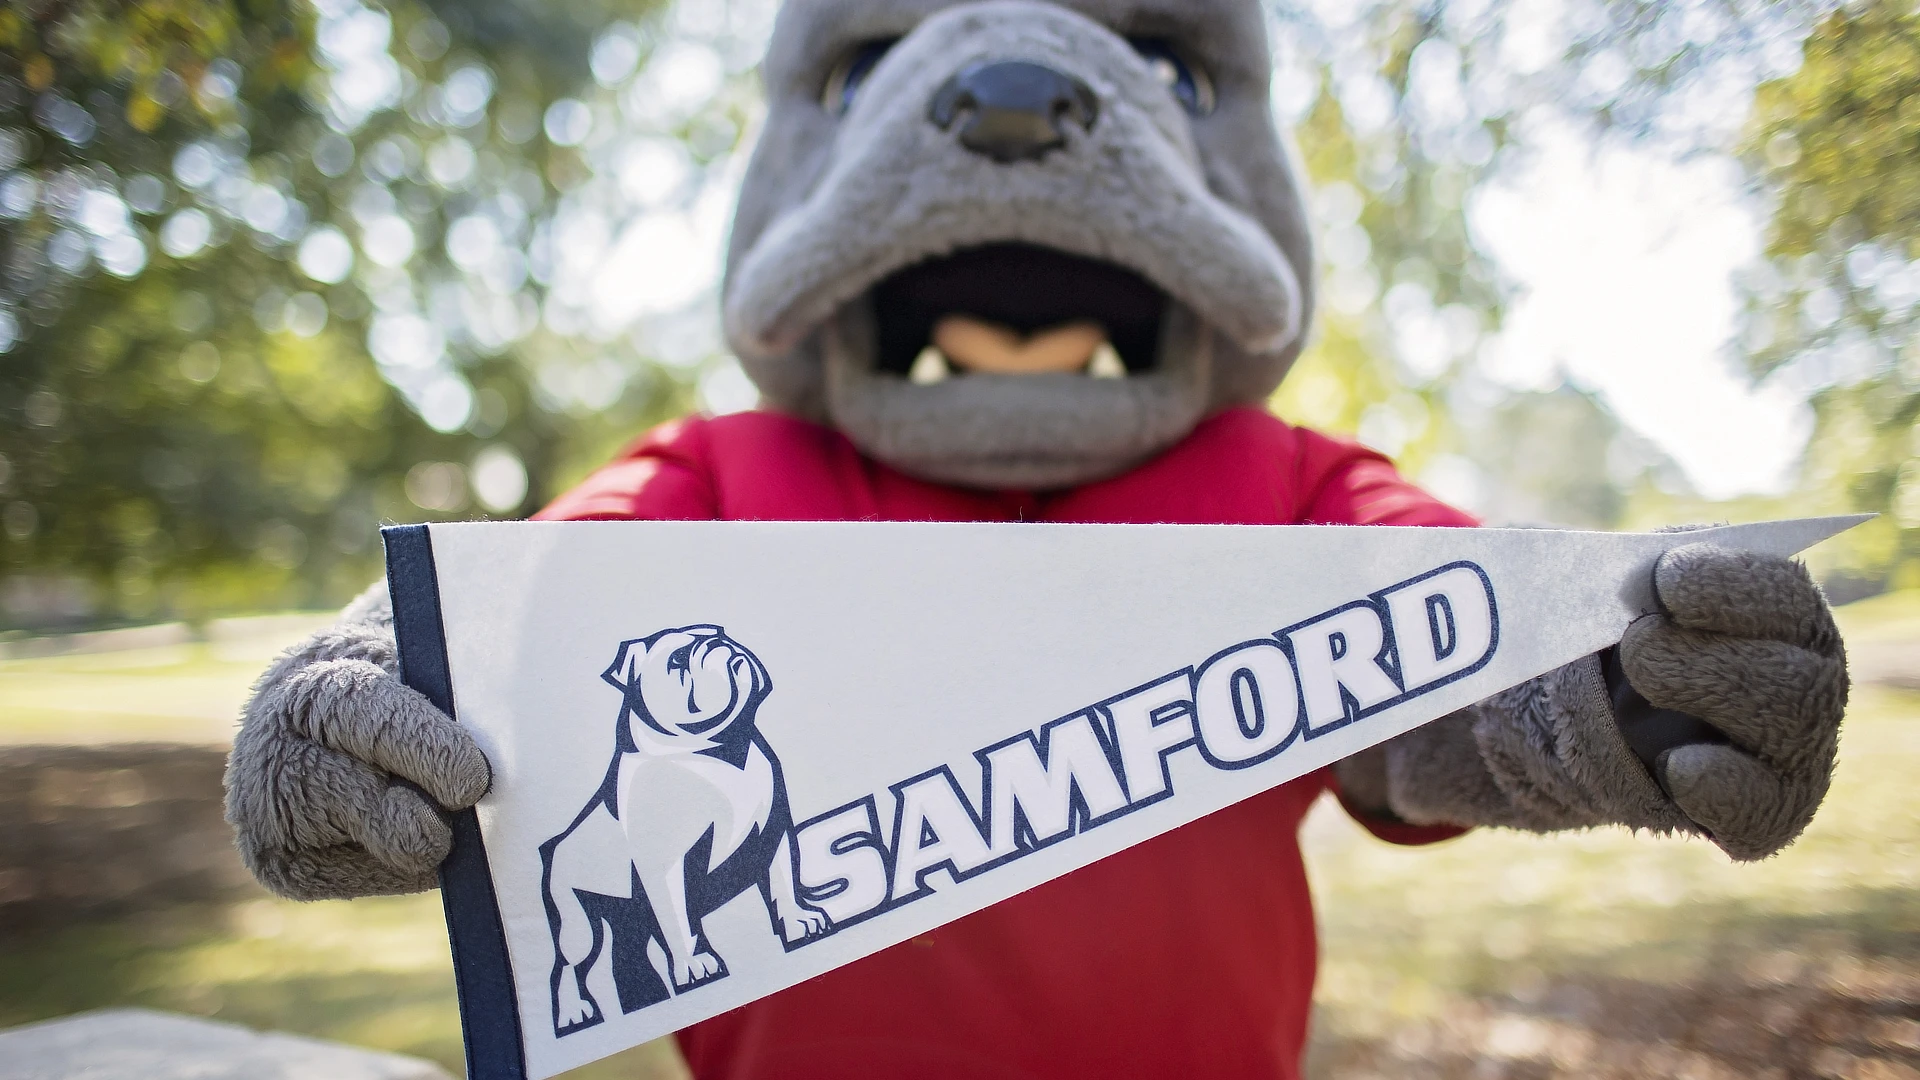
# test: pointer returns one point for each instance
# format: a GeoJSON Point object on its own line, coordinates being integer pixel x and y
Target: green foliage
{"type": "Point", "coordinates": [198, 471]}
{"type": "Point", "coordinates": [271, 274]}
{"type": "Point", "coordinates": [1409, 108]}
{"type": "Point", "coordinates": [1836, 145]}
{"type": "Point", "coordinates": [168, 59]}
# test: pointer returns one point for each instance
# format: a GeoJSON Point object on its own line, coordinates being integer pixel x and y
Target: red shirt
{"type": "Point", "coordinates": [1191, 955]}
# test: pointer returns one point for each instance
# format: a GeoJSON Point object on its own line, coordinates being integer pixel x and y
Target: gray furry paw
{"type": "Point", "coordinates": [1747, 644]}
{"type": "Point", "coordinates": [1542, 756]}
{"type": "Point", "coordinates": [329, 782]}
{"type": "Point", "coordinates": [1720, 716]}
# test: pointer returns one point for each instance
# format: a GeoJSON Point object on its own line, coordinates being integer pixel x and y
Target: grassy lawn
{"type": "Point", "coordinates": [1604, 954]}
{"type": "Point", "coordinates": [190, 692]}
{"type": "Point", "coordinates": [1497, 955]}
{"type": "Point", "coordinates": [372, 972]}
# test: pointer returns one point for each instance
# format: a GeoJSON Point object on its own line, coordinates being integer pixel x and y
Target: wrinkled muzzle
{"type": "Point", "coordinates": [690, 683]}
{"type": "Point", "coordinates": [950, 192]}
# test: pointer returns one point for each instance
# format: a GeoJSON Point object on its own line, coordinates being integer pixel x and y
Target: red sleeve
{"type": "Point", "coordinates": [661, 476]}
{"type": "Point", "coordinates": [1348, 484]}
{"type": "Point", "coordinates": [1392, 830]}
{"type": "Point", "coordinates": [1352, 485]}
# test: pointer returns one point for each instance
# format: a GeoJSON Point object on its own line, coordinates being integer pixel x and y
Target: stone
{"type": "Point", "coordinates": [141, 1044]}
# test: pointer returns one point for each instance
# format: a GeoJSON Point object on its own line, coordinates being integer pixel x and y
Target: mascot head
{"type": "Point", "coordinates": [691, 685]}
{"type": "Point", "coordinates": [1007, 243]}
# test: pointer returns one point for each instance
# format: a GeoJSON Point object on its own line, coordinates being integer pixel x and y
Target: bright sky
{"type": "Point", "coordinates": [1627, 261]}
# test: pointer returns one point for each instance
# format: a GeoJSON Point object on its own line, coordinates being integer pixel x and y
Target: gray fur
{"type": "Point", "coordinates": [313, 789]}
{"type": "Point", "coordinates": [1206, 207]}
{"type": "Point", "coordinates": [1747, 644]}
{"type": "Point", "coordinates": [1022, 431]}
{"type": "Point", "coordinates": [1543, 756]}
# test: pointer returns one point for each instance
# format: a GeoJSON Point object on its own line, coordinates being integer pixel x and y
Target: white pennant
{"type": "Point", "coordinates": [659, 700]}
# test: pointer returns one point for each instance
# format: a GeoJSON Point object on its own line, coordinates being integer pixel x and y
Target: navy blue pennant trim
{"type": "Point", "coordinates": [489, 1009]}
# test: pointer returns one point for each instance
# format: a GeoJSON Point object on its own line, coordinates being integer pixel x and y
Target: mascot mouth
{"type": "Point", "coordinates": [1015, 309]}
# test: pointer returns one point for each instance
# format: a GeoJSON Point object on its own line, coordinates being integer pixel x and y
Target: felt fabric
{"type": "Point", "coordinates": [1191, 954]}
{"type": "Point", "coordinates": [311, 784]}
{"type": "Point", "coordinates": [1205, 206]}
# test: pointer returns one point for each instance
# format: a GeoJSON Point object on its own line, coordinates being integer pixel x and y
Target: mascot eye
{"type": "Point", "coordinates": [680, 659]}
{"type": "Point", "coordinates": [844, 83]}
{"type": "Point", "coordinates": [1187, 82]}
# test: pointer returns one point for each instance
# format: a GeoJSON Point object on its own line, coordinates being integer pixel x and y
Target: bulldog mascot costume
{"type": "Point", "coordinates": [1014, 260]}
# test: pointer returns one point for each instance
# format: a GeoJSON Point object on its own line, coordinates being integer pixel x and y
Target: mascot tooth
{"type": "Point", "coordinates": [1005, 260]}
{"type": "Point", "coordinates": [1106, 363]}
{"type": "Point", "coordinates": [929, 367]}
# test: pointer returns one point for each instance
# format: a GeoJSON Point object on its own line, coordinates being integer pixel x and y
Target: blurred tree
{"type": "Point", "coordinates": [1538, 451]}
{"type": "Point", "coordinates": [1836, 303]}
{"type": "Point", "coordinates": [1374, 97]}
{"type": "Point", "coordinates": [1403, 109]}
{"type": "Point", "coordinates": [272, 273]}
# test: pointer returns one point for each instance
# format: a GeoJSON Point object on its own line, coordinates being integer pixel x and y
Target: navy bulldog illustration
{"type": "Point", "coordinates": [695, 800]}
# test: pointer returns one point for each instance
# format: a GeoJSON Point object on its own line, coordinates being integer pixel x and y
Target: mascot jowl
{"type": "Point", "coordinates": [1010, 260]}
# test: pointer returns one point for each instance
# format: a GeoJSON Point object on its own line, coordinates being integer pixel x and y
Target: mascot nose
{"type": "Point", "coordinates": [1013, 110]}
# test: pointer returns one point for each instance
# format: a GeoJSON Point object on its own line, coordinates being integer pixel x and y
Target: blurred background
{"type": "Point", "coordinates": [273, 272]}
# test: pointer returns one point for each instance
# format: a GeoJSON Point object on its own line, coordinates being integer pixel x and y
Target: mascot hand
{"type": "Point", "coordinates": [320, 785]}
{"type": "Point", "coordinates": [1746, 644]}
{"type": "Point", "coordinates": [1720, 716]}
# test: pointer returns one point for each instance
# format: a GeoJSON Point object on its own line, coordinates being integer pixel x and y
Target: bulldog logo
{"type": "Point", "coordinates": [685, 740]}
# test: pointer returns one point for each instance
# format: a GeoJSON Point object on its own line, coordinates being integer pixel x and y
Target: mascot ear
{"type": "Point", "coordinates": [623, 672]}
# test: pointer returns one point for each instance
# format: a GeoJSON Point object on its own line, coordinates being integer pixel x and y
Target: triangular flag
{"type": "Point", "coordinates": [730, 756]}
